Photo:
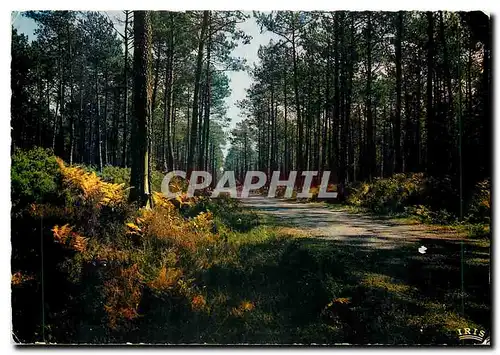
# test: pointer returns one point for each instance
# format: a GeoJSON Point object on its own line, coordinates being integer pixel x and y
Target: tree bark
{"type": "Point", "coordinates": [141, 119]}
{"type": "Point", "coordinates": [397, 117]}
{"type": "Point", "coordinates": [98, 120]}
{"type": "Point", "coordinates": [370, 150]}
{"type": "Point", "coordinates": [197, 84]}
{"type": "Point", "coordinates": [300, 128]}
{"type": "Point", "coordinates": [125, 95]}
{"type": "Point", "coordinates": [168, 159]}
{"type": "Point", "coordinates": [203, 156]}
{"type": "Point", "coordinates": [429, 103]}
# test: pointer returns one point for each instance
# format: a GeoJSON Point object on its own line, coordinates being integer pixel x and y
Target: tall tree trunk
{"type": "Point", "coordinates": [188, 130]}
{"type": "Point", "coordinates": [206, 119]}
{"type": "Point", "coordinates": [125, 95]}
{"type": "Point", "coordinates": [105, 158]}
{"type": "Point", "coordinates": [173, 141]}
{"type": "Point", "coordinates": [285, 113]}
{"type": "Point", "coordinates": [418, 124]}
{"type": "Point", "coordinates": [361, 146]}
{"type": "Point", "coordinates": [300, 128]}
{"type": "Point", "coordinates": [98, 120]}
{"type": "Point", "coordinates": [350, 78]}
{"type": "Point", "coordinates": [446, 64]}
{"type": "Point", "coordinates": [447, 117]}
{"type": "Point", "coordinates": [116, 117]}
{"type": "Point", "coordinates": [397, 117]}
{"type": "Point", "coordinates": [370, 150]}
{"type": "Point", "coordinates": [334, 163]}
{"type": "Point", "coordinates": [197, 84]}
{"type": "Point", "coordinates": [156, 76]}
{"type": "Point", "coordinates": [57, 142]}
{"type": "Point", "coordinates": [141, 119]}
{"type": "Point", "coordinates": [71, 111]}
{"type": "Point", "coordinates": [486, 92]}
{"type": "Point", "coordinates": [168, 159]}
{"type": "Point", "coordinates": [343, 105]}
{"type": "Point", "coordinates": [429, 104]}
{"type": "Point", "coordinates": [81, 121]}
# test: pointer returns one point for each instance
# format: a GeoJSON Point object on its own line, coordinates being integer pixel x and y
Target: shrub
{"type": "Point", "coordinates": [441, 194]}
{"type": "Point", "coordinates": [34, 177]}
{"type": "Point", "coordinates": [118, 175]}
{"type": "Point", "coordinates": [315, 191]}
{"type": "Point", "coordinates": [89, 187]}
{"type": "Point", "coordinates": [105, 260]}
{"type": "Point", "coordinates": [479, 231]}
{"type": "Point", "coordinates": [156, 179]}
{"type": "Point", "coordinates": [427, 215]}
{"type": "Point", "coordinates": [432, 199]}
{"type": "Point", "coordinates": [110, 269]}
{"type": "Point", "coordinates": [227, 211]}
{"type": "Point", "coordinates": [389, 195]}
{"type": "Point", "coordinates": [480, 206]}
{"type": "Point", "coordinates": [97, 207]}
{"type": "Point", "coordinates": [115, 174]}
{"type": "Point", "coordinates": [123, 291]}
{"type": "Point", "coordinates": [157, 251]}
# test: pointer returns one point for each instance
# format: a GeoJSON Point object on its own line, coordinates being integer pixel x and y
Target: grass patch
{"type": "Point", "coordinates": [386, 283]}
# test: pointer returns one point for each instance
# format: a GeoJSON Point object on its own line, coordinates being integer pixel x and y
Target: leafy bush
{"type": "Point", "coordinates": [431, 199]}
{"type": "Point", "coordinates": [99, 207]}
{"type": "Point", "coordinates": [118, 175]}
{"type": "Point", "coordinates": [156, 179]}
{"type": "Point", "coordinates": [226, 210]}
{"type": "Point", "coordinates": [115, 174]}
{"type": "Point", "coordinates": [157, 256]}
{"type": "Point", "coordinates": [315, 191]}
{"type": "Point", "coordinates": [110, 269]}
{"type": "Point", "coordinates": [34, 177]}
{"type": "Point", "coordinates": [480, 206]}
{"type": "Point", "coordinates": [427, 215]}
{"type": "Point", "coordinates": [441, 194]}
{"type": "Point", "coordinates": [389, 195]}
{"type": "Point", "coordinates": [110, 259]}
{"type": "Point", "coordinates": [478, 231]}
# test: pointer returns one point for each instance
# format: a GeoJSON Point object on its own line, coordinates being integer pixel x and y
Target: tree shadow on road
{"type": "Point", "coordinates": [310, 290]}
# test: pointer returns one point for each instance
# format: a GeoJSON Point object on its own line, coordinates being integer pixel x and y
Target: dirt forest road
{"type": "Point", "coordinates": [314, 219]}
{"type": "Point", "coordinates": [426, 280]}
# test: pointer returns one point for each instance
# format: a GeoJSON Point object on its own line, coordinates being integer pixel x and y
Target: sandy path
{"type": "Point", "coordinates": [319, 221]}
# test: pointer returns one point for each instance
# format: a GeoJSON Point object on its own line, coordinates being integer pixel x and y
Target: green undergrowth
{"type": "Point", "coordinates": [206, 270]}
{"type": "Point", "coordinates": [416, 197]}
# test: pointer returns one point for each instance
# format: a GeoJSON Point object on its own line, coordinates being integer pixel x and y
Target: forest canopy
{"type": "Point", "coordinates": [72, 86]}
{"type": "Point", "coordinates": [369, 94]}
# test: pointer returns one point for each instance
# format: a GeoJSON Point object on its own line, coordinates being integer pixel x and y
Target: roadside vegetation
{"type": "Point", "coordinates": [417, 197]}
{"type": "Point", "coordinates": [209, 271]}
